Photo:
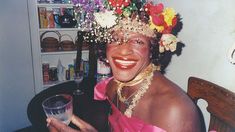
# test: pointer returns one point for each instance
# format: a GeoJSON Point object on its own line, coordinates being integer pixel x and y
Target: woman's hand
{"type": "Point", "coordinates": [55, 125]}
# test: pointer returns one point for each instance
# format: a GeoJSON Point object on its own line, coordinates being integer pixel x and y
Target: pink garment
{"type": "Point", "coordinates": [118, 121]}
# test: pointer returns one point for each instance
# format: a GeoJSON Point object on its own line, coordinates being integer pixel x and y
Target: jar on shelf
{"type": "Point", "coordinates": [53, 74]}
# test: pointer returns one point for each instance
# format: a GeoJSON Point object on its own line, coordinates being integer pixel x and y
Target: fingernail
{"type": "Point", "coordinates": [48, 122]}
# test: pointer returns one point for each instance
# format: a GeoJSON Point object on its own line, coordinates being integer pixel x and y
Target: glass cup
{"type": "Point", "coordinates": [59, 106]}
{"type": "Point", "coordinates": [78, 78]}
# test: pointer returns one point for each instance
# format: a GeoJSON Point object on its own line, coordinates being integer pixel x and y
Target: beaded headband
{"type": "Point", "coordinates": [134, 25]}
{"type": "Point", "coordinates": [152, 20]}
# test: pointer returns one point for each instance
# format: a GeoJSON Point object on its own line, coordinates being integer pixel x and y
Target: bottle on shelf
{"type": "Point", "coordinates": [61, 71]}
{"type": "Point", "coordinates": [45, 72]}
{"type": "Point", "coordinates": [71, 71]}
{"type": "Point", "coordinates": [53, 74]}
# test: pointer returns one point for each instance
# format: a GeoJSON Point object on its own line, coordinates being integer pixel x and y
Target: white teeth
{"type": "Point", "coordinates": [124, 62]}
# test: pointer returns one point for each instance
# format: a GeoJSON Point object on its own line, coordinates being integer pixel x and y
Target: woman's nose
{"type": "Point", "coordinates": [125, 49]}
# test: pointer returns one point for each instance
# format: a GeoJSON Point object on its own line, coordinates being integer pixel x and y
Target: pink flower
{"type": "Point", "coordinates": [158, 20]}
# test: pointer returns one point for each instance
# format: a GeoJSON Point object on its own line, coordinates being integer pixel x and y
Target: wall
{"type": "Point", "coordinates": [16, 73]}
{"type": "Point", "coordinates": [208, 33]}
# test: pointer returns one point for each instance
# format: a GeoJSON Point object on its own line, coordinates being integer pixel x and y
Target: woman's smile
{"type": "Point", "coordinates": [124, 63]}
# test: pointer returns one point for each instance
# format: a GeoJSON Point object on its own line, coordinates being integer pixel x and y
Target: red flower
{"type": "Point", "coordinates": [153, 9]}
{"type": "Point", "coordinates": [155, 12]}
{"type": "Point", "coordinates": [115, 3]}
{"type": "Point", "coordinates": [167, 30]}
{"type": "Point", "coordinates": [126, 3]}
{"type": "Point", "coordinates": [174, 21]}
{"type": "Point", "coordinates": [118, 11]}
{"type": "Point", "coordinates": [119, 3]}
{"type": "Point", "coordinates": [147, 7]}
{"type": "Point", "coordinates": [156, 9]}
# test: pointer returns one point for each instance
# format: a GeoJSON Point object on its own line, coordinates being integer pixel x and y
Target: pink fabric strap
{"type": "Point", "coordinates": [100, 89]}
{"type": "Point", "coordinates": [122, 123]}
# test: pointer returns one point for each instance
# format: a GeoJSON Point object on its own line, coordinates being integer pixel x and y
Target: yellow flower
{"type": "Point", "coordinates": [169, 14]}
{"type": "Point", "coordinates": [153, 26]}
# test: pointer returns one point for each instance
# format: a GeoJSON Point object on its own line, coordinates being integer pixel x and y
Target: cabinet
{"type": "Point", "coordinates": [40, 55]}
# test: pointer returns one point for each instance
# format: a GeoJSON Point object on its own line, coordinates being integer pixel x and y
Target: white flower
{"type": "Point", "coordinates": [168, 42]}
{"type": "Point", "coordinates": [105, 19]}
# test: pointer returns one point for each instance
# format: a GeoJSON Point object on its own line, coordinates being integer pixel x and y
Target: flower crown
{"type": "Point", "coordinates": [152, 20]}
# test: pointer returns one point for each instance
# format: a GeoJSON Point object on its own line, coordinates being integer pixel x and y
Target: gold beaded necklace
{"type": "Point", "coordinates": [145, 77]}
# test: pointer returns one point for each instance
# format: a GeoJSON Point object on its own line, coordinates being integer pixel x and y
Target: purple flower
{"type": "Point", "coordinates": [83, 2]}
{"type": "Point", "coordinates": [74, 2]}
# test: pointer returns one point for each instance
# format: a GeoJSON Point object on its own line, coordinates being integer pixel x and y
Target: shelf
{"type": "Point", "coordinates": [55, 5]}
{"type": "Point", "coordinates": [52, 83]}
{"type": "Point", "coordinates": [63, 52]}
{"type": "Point", "coordinates": [61, 29]}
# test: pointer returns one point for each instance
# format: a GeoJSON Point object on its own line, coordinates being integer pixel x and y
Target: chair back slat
{"type": "Point", "coordinates": [221, 103]}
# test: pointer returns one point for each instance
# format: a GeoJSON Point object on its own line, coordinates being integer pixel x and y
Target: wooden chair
{"type": "Point", "coordinates": [221, 103]}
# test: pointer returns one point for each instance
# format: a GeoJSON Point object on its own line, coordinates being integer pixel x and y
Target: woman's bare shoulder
{"type": "Point", "coordinates": [172, 109]}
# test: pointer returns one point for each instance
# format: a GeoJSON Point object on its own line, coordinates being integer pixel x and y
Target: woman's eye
{"type": "Point", "coordinates": [115, 40]}
{"type": "Point", "coordinates": [136, 41]}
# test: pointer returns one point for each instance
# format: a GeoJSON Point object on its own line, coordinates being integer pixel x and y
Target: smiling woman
{"type": "Point", "coordinates": [139, 46]}
{"type": "Point", "coordinates": [128, 54]}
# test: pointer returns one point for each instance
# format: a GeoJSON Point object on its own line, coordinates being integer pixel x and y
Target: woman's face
{"type": "Point", "coordinates": [128, 54]}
